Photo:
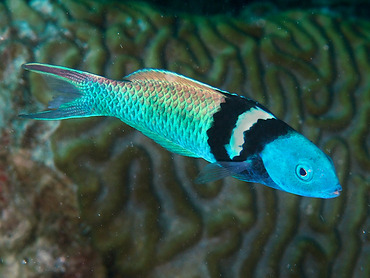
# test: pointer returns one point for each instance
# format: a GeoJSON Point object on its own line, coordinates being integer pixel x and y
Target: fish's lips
{"type": "Point", "coordinates": [333, 192]}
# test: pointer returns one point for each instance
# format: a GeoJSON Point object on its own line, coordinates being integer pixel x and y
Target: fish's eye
{"type": "Point", "coordinates": [304, 172]}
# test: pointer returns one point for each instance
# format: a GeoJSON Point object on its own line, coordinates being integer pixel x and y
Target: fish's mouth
{"type": "Point", "coordinates": [333, 193]}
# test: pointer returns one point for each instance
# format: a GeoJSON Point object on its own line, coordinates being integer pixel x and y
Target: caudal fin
{"type": "Point", "coordinates": [71, 87]}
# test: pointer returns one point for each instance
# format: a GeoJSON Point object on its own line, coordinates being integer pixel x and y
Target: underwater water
{"type": "Point", "coordinates": [94, 197]}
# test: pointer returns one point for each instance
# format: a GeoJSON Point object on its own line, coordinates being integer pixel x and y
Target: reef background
{"type": "Point", "coordinates": [358, 8]}
{"type": "Point", "coordinates": [95, 198]}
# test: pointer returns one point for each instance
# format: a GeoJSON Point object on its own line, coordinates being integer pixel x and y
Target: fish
{"type": "Point", "coordinates": [238, 136]}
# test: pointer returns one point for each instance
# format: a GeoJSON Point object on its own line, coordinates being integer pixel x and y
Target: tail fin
{"type": "Point", "coordinates": [71, 87]}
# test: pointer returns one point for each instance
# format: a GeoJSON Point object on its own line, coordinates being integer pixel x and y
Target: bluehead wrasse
{"type": "Point", "coordinates": [237, 135]}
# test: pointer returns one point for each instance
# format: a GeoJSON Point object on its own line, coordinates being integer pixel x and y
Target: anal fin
{"type": "Point", "coordinates": [169, 145]}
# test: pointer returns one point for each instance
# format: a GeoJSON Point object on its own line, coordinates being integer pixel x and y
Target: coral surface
{"type": "Point", "coordinates": [95, 198]}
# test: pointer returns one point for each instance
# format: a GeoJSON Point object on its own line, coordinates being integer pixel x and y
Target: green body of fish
{"type": "Point", "coordinates": [177, 116]}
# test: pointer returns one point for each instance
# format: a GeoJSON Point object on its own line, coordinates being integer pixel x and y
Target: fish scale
{"type": "Point", "coordinates": [240, 137]}
{"type": "Point", "coordinates": [159, 107]}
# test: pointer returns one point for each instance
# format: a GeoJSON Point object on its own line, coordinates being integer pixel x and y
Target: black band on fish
{"type": "Point", "coordinates": [260, 134]}
{"type": "Point", "coordinates": [227, 135]}
{"type": "Point", "coordinates": [224, 122]}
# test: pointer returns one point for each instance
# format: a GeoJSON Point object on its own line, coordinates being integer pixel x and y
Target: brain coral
{"type": "Point", "coordinates": [139, 208]}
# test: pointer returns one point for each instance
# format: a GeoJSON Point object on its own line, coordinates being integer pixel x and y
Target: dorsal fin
{"type": "Point", "coordinates": [169, 76]}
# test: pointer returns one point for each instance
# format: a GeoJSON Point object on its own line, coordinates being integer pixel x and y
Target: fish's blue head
{"type": "Point", "coordinates": [298, 166]}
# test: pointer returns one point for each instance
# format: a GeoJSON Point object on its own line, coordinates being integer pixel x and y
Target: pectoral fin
{"type": "Point", "coordinates": [220, 170]}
